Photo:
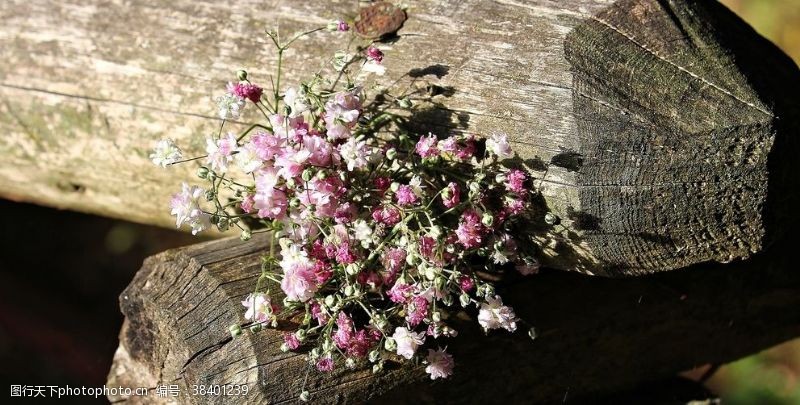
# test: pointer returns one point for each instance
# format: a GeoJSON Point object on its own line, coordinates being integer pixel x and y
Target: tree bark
{"type": "Point", "coordinates": [661, 132]}
{"type": "Point", "coordinates": [595, 335]}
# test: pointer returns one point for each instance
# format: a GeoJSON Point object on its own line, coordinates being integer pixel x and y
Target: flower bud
{"type": "Point", "coordinates": [255, 327]}
{"type": "Point", "coordinates": [291, 183]}
{"type": "Point", "coordinates": [394, 186]}
{"type": "Point", "coordinates": [487, 219]}
{"type": "Point", "coordinates": [348, 291]}
{"type": "Point", "coordinates": [330, 300]}
{"type": "Point", "coordinates": [235, 330]}
{"type": "Point", "coordinates": [488, 290]}
{"type": "Point", "coordinates": [405, 103]}
{"type": "Point", "coordinates": [300, 334]}
{"type": "Point", "coordinates": [374, 355]}
{"type": "Point", "coordinates": [294, 202]}
{"type": "Point", "coordinates": [246, 235]}
{"type": "Point", "coordinates": [390, 344]}
{"type": "Point", "coordinates": [391, 153]}
{"type": "Point", "coordinates": [500, 178]}
{"type": "Point", "coordinates": [307, 319]}
{"type": "Point", "coordinates": [210, 195]}
{"type": "Point", "coordinates": [305, 396]}
{"type": "Point", "coordinates": [314, 354]}
{"type": "Point", "coordinates": [436, 316]}
{"type": "Point", "coordinates": [377, 368]}
{"type": "Point", "coordinates": [241, 74]}
{"type": "Point", "coordinates": [350, 362]}
{"type": "Point", "coordinates": [322, 174]}
{"type": "Point", "coordinates": [284, 347]}
{"type": "Point", "coordinates": [532, 333]}
{"type": "Point", "coordinates": [308, 174]}
{"type": "Point", "coordinates": [464, 300]}
{"type": "Point", "coordinates": [202, 172]}
{"type": "Point", "coordinates": [551, 219]}
{"type": "Point", "coordinates": [222, 224]}
{"type": "Point", "coordinates": [352, 269]}
{"type": "Point", "coordinates": [474, 187]}
{"type": "Point", "coordinates": [430, 273]}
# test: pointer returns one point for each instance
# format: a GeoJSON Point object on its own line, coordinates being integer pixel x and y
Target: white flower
{"type": "Point", "coordinates": [186, 208]}
{"type": "Point", "coordinates": [259, 308]}
{"type": "Point", "coordinates": [296, 101]}
{"type": "Point", "coordinates": [354, 153]}
{"type": "Point", "coordinates": [498, 144]}
{"type": "Point", "coordinates": [293, 255]}
{"type": "Point", "coordinates": [220, 152]}
{"type": "Point", "coordinates": [166, 153]}
{"type": "Point", "coordinates": [372, 66]}
{"type": "Point", "coordinates": [229, 106]}
{"type": "Point", "coordinates": [247, 158]}
{"type": "Point", "coordinates": [407, 341]}
{"type": "Point", "coordinates": [494, 315]}
{"type": "Point", "coordinates": [440, 364]}
{"type": "Point", "coordinates": [416, 185]}
{"type": "Point", "coordinates": [362, 230]}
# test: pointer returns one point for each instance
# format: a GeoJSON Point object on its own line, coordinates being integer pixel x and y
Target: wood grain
{"type": "Point", "coordinates": [643, 104]}
{"type": "Point", "coordinates": [595, 336]}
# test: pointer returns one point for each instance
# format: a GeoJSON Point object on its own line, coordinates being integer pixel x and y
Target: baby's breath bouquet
{"type": "Point", "coordinates": [376, 231]}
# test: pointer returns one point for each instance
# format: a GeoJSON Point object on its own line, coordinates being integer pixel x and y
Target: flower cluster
{"type": "Point", "coordinates": [376, 240]}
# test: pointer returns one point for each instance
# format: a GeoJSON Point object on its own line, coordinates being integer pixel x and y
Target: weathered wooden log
{"type": "Point", "coordinates": [660, 131]}
{"type": "Point", "coordinates": [595, 335]}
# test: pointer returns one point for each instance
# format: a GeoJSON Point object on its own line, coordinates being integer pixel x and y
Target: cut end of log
{"type": "Point", "coordinates": [685, 121]}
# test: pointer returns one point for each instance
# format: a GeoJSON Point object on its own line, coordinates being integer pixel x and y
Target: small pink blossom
{"type": "Point", "coordinates": [247, 203]}
{"type": "Point", "coordinates": [494, 315]}
{"type": "Point", "coordinates": [186, 208]}
{"type": "Point", "coordinates": [426, 146]}
{"type": "Point", "coordinates": [515, 181]}
{"type": "Point", "coordinates": [299, 282]}
{"type": "Point", "coordinates": [374, 54]}
{"type": "Point", "coordinates": [451, 196]}
{"type": "Point", "coordinates": [440, 364]}
{"type": "Point", "coordinates": [466, 283]}
{"type": "Point", "coordinates": [400, 292]}
{"type": "Point", "coordinates": [259, 308]}
{"type": "Point", "coordinates": [407, 341]}
{"type": "Point", "coordinates": [342, 26]}
{"type": "Point", "coordinates": [387, 215]}
{"type": "Point", "coordinates": [470, 230]}
{"type": "Point", "coordinates": [246, 90]}
{"type": "Point", "coordinates": [344, 254]}
{"type": "Point", "coordinates": [405, 196]}
{"type": "Point", "coordinates": [499, 146]}
{"type": "Point", "coordinates": [291, 341]}
{"type": "Point", "coordinates": [325, 364]}
{"type": "Point", "coordinates": [220, 152]}
{"type": "Point", "coordinates": [344, 331]}
{"type": "Point", "coordinates": [416, 310]}
{"type": "Point", "coordinates": [318, 313]}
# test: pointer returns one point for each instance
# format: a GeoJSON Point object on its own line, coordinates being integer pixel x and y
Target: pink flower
{"type": "Point", "coordinates": [299, 282]}
{"type": "Point", "coordinates": [186, 208]}
{"type": "Point", "coordinates": [267, 145]}
{"type": "Point", "coordinates": [325, 364]}
{"type": "Point", "coordinates": [387, 215]}
{"type": "Point", "coordinates": [426, 147]}
{"type": "Point", "coordinates": [407, 341]}
{"type": "Point", "coordinates": [291, 341]}
{"type": "Point", "coordinates": [342, 26]}
{"type": "Point", "coordinates": [247, 203]}
{"type": "Point", "coordinates": [416, 310]}
{"type": "Point", "coordinates": [466, 283]}
{"type": "Point", "coordinates": [494, 315]}
{"type": "Point", "coordinates": [318, 314]}
{"type": "Point", "coordinates": [345, 213]}
{"type": "Point", "coordinates": [515, 181]}
{"type": "Point", "coordinates": [246, 90]}
{"type": "Point", "coordinates": [322, 271]}
{"type": "Point", "coordinates": [344, 331]}
{"type": "Point", "coordinates": [461, 149]}
{"type": "Point", "coordinates": [382, 183]}
{"type": "Point", "coordinates": [321, 152]}
{"type": "Point", "coordinates": [514, 206]}
{"type": "Point", "coordinates": [359, 345]}
{"type": "Point", "coordinates": [220, 152]}
{"type": "Point", "coordinates": [291, 162]}
{"type": "Point", "coordinates": [393, 262]}
{"type": "Point", "coordinates": [451, 195]}
{"type": "Point", "coordinates": [270, 201]}
{"type": "Point", "coordinates": [344, 254]}
{"type": "Point", "coordinates": [440, 364]}
{"type": "Point", "coordinates": [405, 196]}
{"type": "Point", "coordinates": [259, 308]}
{"type": "Point", "coordinates": [470, 230]}
{"type": "Point", "coordinates": [374, 54]}
{"type": "Point", "coordinates": [427, 247]}
{"type": "Point", "coordinates": [498, 145]}
{"type": "Point", "coordinates": [400, 293]}
{"type": "Point", "coordinates": [341, 114]}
